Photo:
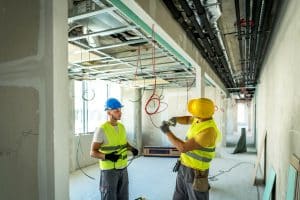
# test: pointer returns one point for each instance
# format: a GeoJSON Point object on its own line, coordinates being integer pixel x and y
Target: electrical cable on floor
{"type": "Point", "coordinates": [213, 178]}
{"type": "Point", "coordinates": [130, 160]}
{"type": "Point", "coordinates": [77, 160]}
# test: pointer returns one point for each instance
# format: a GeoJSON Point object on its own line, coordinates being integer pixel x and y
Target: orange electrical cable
{"type": "Point", "coordinates": [154, 98]}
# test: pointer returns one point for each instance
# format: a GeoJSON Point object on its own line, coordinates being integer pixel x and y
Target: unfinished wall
{"type": "Point", "coordinates": [278, 94]}
{"type": "Point", "coordinates": [19, 141]}
{"type": "Point", "coordinates": [33, 72]}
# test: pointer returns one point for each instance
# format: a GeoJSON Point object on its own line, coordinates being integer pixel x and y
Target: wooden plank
{"type": "Point", "coordinates": [295, 161]}
{"type": "Point", "coordinates": [269, 185]}
{"type": "Point", "coordinates": [262, 148]}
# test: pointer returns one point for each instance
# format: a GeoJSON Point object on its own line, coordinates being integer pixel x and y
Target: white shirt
{"type": "Point", "coordinates": [100, 137]}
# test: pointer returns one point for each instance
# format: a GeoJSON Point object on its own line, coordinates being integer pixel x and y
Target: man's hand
{"type": "Point", "coordinates": [172, 121]}
{"type": "Point", "coordinates": [134, 151]}
{"type": "Point", "coordinates": [112, 157]}
{"type": "Point", "coordinates": [165, 127]}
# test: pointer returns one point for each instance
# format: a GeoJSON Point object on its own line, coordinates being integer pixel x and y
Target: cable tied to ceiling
{"type": "Point", "coordinates": [153, 104]}
{"type": "Point", "coordinates": [138, 65]}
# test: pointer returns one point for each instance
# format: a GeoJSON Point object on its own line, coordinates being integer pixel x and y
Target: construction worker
{"type": "Point", "coordinates": [196, 152]}
{"type": "Point", "coordinates": [110, 146]}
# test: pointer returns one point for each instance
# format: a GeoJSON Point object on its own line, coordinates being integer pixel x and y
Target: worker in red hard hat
{"type": "Point", "coordinates": [110, 146]}
{"type": "Point", "coordinates": [196, 152]}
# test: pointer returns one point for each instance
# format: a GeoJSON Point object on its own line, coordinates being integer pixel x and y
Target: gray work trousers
{"type": "Point", "coordinates": [184, 186]}
{"type": "Point", "coordinates": [114, 184]}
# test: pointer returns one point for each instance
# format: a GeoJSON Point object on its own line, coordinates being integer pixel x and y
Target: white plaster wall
{"type": "Point", "coordinates": [40, 62]}
{"type": "Point", "coordinates": [80, 146]}
{"type": "Point", "coordinates": [176, 100]}
{"type": "Point", "coordinates": [278, 95]}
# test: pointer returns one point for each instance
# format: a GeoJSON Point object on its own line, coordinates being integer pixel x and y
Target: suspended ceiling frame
{"type": "Point", "coordinates": [121, 66]}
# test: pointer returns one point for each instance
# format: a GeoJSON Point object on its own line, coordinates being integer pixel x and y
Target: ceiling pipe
{"type": "Point", "coordinates": [238, 17]}
{"type": "Point", "coordinates": [189, 13]}
{"type": "Point", "coordinates": [219, 70]}
{"type": "Point", "coordinates": [214, 40]}
{"type": "Point", "coordinates": [247, 40]}
{"type": "Point", "coordinates": [268, 22]}
{"type": "Point", "coordinates": [178, 17]}
{"type": "Point", "coordinates": [256, 13]}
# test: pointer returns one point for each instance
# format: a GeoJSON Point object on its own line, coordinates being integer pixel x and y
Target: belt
{"type": "Point", "coordinates": [198, 173]}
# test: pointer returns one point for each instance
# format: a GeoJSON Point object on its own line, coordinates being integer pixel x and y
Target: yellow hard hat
{"type": "Point", "coordinates": [202, 107]}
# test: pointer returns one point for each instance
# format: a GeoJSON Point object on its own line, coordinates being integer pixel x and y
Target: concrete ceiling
{"type": "Point", "coordinates": [243, 27]}
{"type": "Point", "coordinates": [232, 35]}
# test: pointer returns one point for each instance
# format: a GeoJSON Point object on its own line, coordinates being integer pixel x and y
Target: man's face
{"type": "Point", "coordinates": [115, 114]}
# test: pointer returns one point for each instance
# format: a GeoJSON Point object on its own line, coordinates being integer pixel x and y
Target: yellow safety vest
{"type": "Point", "coordinates": [200, 158]}
{"type": "Point", "coordinates": [117, 142]}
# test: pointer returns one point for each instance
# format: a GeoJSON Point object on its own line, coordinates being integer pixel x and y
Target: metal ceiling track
{"type": "Point", "coordinates": [108, 41]}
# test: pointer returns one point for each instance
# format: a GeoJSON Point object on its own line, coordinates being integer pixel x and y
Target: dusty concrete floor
{"type": "Point", "coordinates": [153, 179]}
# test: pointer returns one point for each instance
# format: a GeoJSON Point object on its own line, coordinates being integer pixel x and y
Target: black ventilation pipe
{"type": "Point", "coordinates": [178, 17]}
{"type": "Point", "coordinates": [256, 12]}
{"type": "Point", "coordinates": [189, 13]}
{"type": "Point", "coordinates": [238, 24]}
{"type": "Point", "coordinates": [247, 45]}
{"type": "Point", "coordinates": [214, 40]}
{"type": "Point", "coordinates": [207, 52]}
{"type": "Point", "coordinates": [271, 12]}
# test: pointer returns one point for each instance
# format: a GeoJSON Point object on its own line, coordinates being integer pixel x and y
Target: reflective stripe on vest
{"type": "Point", "coordinates": [113, 148]}
{"type": "Point", "coordinates": [199, 158]}
{"type": "Point", "coordinates": [117, 143]}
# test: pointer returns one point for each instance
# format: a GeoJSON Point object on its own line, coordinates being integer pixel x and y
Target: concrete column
{"type": "Point", "coordinates": [137, 126]}
{"type": "Point", "coordinates": [60, 99]}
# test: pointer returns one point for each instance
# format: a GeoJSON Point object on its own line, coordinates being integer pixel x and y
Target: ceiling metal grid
{"type": "Point", "coordinates": [105, 45]}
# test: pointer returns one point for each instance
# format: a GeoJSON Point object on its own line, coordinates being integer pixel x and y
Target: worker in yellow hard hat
{"type": "Point", "coordinates": [197, 150]}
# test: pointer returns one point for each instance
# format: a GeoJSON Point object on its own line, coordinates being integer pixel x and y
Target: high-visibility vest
{"type": "Point", "coordinates": [200, 158]}
{"type": "Point", "coordinates": [117, 142]}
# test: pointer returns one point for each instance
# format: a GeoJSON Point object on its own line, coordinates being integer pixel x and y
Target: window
{"type": "Point", "coordinates": [241, 113]}
{"type": "Point", "coordinates": [242, 116]}
{"type": "Point", "coordinates": [90, 97]}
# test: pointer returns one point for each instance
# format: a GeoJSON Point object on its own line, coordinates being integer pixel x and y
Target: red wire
{"type": "Point", "coordinates": [154, 97]}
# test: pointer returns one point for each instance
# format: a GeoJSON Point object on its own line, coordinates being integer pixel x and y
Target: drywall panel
{"type": "Point", "coordinates": [19, 38]}
{"type": "Point", "coordinates": [19, 125]}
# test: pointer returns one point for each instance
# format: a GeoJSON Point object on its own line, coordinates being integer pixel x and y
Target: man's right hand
{"type": "Point", "coordinates": [112, 157]}
{"type": "Point", "coordinates": [172, 121]}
